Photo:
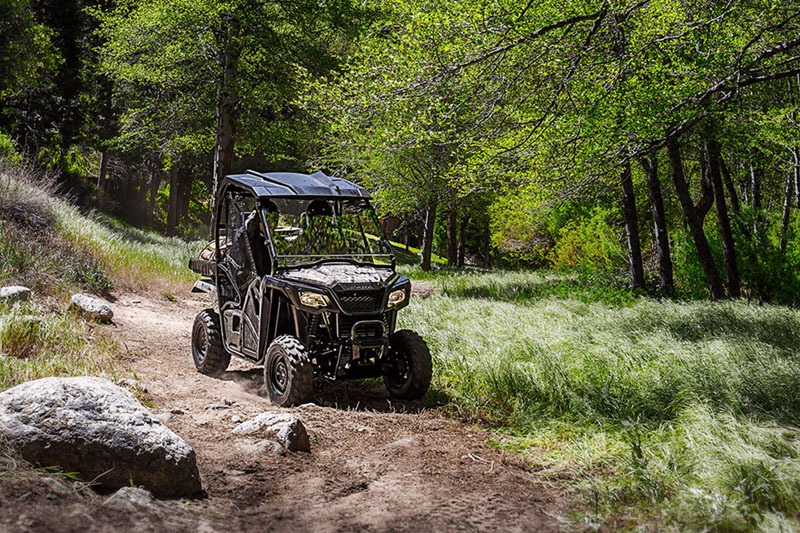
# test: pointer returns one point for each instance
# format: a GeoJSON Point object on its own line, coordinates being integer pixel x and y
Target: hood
{"type": "Point", "coordinates": [332, 274]}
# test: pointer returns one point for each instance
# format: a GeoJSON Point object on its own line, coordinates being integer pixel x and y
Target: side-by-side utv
{"type": "Point", "coordinates": [304, 282]}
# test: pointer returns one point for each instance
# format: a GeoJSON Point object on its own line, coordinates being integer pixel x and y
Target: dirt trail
{"type": "Point", "coordinates": [373, 467]}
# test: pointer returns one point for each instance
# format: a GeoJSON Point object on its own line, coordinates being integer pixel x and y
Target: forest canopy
{"type": "Point", "coordinates": [655, 142]}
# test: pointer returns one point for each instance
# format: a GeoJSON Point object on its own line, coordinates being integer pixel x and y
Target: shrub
{"type": "Point", "coordinates": [590, 243]}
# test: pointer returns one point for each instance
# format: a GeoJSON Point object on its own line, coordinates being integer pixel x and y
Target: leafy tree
{"type": "Point", "coordinates": [28, 66]}
{"type": "Point", "coordinates": [203, 76]}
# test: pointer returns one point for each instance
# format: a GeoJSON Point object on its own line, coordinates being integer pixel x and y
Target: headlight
{"type": "Point", "coordinates": [397, 297]}
{"type": "Point", "coordinates": [313, 299]}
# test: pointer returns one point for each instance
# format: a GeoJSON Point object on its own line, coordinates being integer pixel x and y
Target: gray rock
{"type": "Point", "coordinates": [92, 307]}
{"type": "Point", "coordinates": [263, 447]}
{"type": "Point", "coordinates": [91, 426]}
{"type": "Point", "coordinates": [131, 499]}
{"type": "Point", "coordinates": [222, 404]}
{"type": "Point", "coordinates": [15, 293]}
{"type": "Point", "coordinates": [56, 487]}
{"type": "Point", "coordinates": [284, 428]}
{"type": "Point", "coordinates": [402, 444]}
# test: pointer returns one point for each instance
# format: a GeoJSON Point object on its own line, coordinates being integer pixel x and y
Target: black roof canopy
{"type": "Point", "coordinates": [290, 184]}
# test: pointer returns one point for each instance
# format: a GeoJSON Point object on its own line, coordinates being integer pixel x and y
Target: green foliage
{"type": "Point", "coordinates": [181, 44]}
{"type": "Point", "coordinates": [8, 151]}
{"type": "Point", "coordinates": [679, 413]}
{"type": "Point", "coordinates": [769, 274]}
{"type": "Point", "coordinates": [590, 243]}
{"type": "Point", "coordinates": [93, 279]}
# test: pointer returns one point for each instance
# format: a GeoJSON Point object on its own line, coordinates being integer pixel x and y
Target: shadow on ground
{"type": "Point", "coordinates": [357, 395]}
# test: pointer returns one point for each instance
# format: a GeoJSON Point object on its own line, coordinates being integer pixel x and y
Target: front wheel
{"type": "Point", "coordinates": [288, 374]}
{"type": "Point", "coordinates": [409, 374]}
{"type": "Point", "coordinates": [209, 355]}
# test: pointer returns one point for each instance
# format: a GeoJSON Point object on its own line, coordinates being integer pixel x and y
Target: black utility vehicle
{"type": "Point", "coordinates": [304, 282]}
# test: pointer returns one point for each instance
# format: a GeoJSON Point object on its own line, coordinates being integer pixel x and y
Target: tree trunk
{"type": "Point", "coordinates": [787, 213]}
{"type": "Point", "coordinates": [427, 236]}
{"type": "Point", "coordinates": [734, 197]}
{"type": "Point", "coordinates": [755, 187]}
{"type": "Point", "coordinates": [153, 186]}
{"type": "Point", "coordinates": [756, 203]}
{"type": "Point", "coordinates": [102, 177]}
{"type": "Point", "coordinates": [184, 195]}
{"type": "Point", "coordinates": [226, 104]}
{"type": "Point", "coordinates": [139, 200]}
{"type": "Point", "coordinates": [666, 280]}
{"type": "Point", "coordinates": [632, 228]}
{"type": "Point", "coordinates": [462, 240]}
{"type": "Point", "coordinates": [706, 201]}
{"type": "Point", "coordinates": [694, 222]}
{"type": "Point", "coordinates": [172, 206]}
{"type": "Point", "coordinates": [728, 247]}
{"type": "Point", "coordinates": [796, 173]}
{"type": "Point", "coordinates": [452, 237]}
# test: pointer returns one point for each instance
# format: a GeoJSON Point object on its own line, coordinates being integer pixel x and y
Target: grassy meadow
{"type": "Point", "coordinates": [681, 415]}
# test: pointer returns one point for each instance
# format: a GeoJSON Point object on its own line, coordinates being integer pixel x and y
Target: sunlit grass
{"type": "Point", "coordinates": [682, 413]}
{"type": "Point", "coordinates": [133, 258]}
{"type": "Point", "coordinates": [36, 344]}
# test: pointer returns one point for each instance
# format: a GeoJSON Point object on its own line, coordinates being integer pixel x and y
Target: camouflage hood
{"type": "Point", "coordinates": [332, 274]}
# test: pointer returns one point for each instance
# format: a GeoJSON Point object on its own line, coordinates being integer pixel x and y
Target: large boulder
{"type": "Point", "coordinates": [92, 427]}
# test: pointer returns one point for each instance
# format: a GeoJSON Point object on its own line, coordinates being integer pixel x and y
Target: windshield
{"type": "Point", "coordinates": [305, 231]}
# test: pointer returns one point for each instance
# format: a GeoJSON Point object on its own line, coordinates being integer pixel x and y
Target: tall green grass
{"type": "Point", "coordinates": [36, 344]}
{"type": "Point", "coordinates": [680, 414]}
{"type": "Point", "coordinates": [133, 258]}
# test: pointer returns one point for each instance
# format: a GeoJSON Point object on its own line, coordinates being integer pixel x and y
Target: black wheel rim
{"type": "Point", "coordinates": [200, 344]}
{"type": "Point", "coordinates": [279, 375]}
{"type": "Point", "coordinates": [400, 373]}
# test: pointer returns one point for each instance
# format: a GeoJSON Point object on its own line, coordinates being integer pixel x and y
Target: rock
{"type": "Point", "coordinates": [56, 487]}
{"type": "Point", "coordinates": [163, 417]}
{"type": "Point", "coordinates": [91, 426]}
{"type": "Point", "coordinates": [406, 443]}
{"type": "Point", "coordinates": [15, 293]}
{"type": "Point", "coordinates": [284, 428]}
{"type": "Point", "coordinates": [222, 404]}
{"type": "Point", "coordinates": [92, 307]}
{"type": "Point", "coordinates": [131, 499]}
{"type": "Point", "coordinates": [263, 447]}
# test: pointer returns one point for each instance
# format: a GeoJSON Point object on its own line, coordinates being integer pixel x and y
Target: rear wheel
{"type": "Point", "coordinates": [288, 374]}
{"type": "Point", "coordinates": [409, 375]}
{"type": "Point", "coordinates": [209, 355]}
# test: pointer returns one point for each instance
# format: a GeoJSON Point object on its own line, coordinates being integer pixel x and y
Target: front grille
{"type": "Point", "coordinates": [361, 301]}
{"type": "Point", "coordinates": [367, 330]}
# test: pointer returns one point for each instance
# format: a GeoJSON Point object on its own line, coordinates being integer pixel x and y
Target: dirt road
{"type": "Point", "coordinates": [374, 465]}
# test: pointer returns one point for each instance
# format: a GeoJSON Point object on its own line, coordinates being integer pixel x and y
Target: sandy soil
{"type": "Point", "coordinates": [374, 465]}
